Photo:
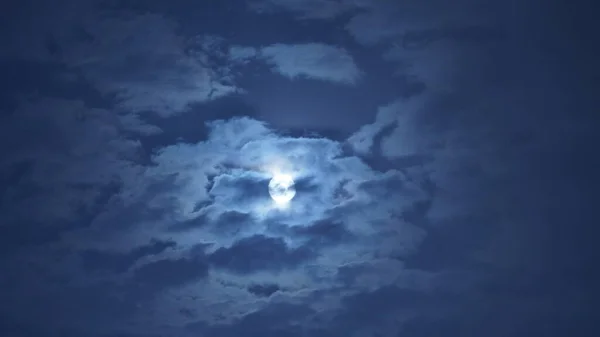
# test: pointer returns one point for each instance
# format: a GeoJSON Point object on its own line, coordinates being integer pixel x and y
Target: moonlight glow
{"type": "Point", "coordinates": [281, 189]}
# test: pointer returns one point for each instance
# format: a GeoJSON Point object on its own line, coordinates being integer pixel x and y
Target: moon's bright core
{"type": "Point", "coordinates": [281, 189]}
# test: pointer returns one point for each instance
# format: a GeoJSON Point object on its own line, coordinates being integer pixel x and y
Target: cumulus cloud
{"type": "Point", "coordinates": [312, 61]}
{"type": "Point", "coordinates": [217, 222]}
{"type": "Point", "coordinates": [206, 234]}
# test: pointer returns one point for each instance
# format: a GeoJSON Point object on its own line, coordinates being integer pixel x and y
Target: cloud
{"type": "Point", "coordinates": [305, 9]}
{"type": "Point", "coordinates": [218, 236]}
{"type": "Point", "coordinates": [139, 59]}
{"type": "Point", "coordinates": [231, 223]}
{"type": "Point", "coordinates": [167, 273]}
{"type": "Point", "coordinates": [271, 321]}
{"type": "Point", "coordinates": [323, 232]}
{"type": "Point", "coordinates": [472, 57]}
{"type": "Point", "coordinates": [374, 22]}
{"type": "Point", "coordinates": [237, 132]}
{"type": "Point", "coordinates": [263, 290]}
{"type": "Point", "coordinates": [205, 227]}
{"type": "Point", "coordinates": [112, 225]}
{"type": "Point", "coordinates": [241, 54]}
{"type": "Point", "coordinates": [363, 140]}
{"type": "Point", "coordinates": [257, 253]}
{"type": "Point", "coordinates": [384, 310]}
{"type": "Point", "coordinates": [242, 191]}
{"type": "Point", "coordinates": [69, 160]}
{"type": "Point", "coordinates": [94, 260]}
{"type": "Point", "coordinates": [354, 237]}
{"type": "Point", "coordinates": [393, 21]}
{"type": "Point", "coordinates": [424, 125]}
{"type": "Point", "coordinates": [142, 61]}
{"type": "Point", "coordinates": [212, 201]}
{"type": "Point", "coordinates": [313, 61]}
{"type": "Point", "coordinates": [57, 25]}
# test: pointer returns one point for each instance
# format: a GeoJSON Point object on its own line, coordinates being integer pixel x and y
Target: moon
{"type": "Point", "coordinates": [281, 189]}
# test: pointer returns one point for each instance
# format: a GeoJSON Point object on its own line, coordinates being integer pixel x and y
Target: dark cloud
{"type": "Point", "coordinates": [311, 9]}
{"type": "Point", "coordinates": [189, 224]}
{"type": "Point", "coordinates": [359, 307]}
{"type": "Point", "coordinates": [119, 263]}
{"type": "Point", "coordinates": [323, 232]}
{"type": "Point", "coordinates": [168, 273]}
{"type": "Point", "coordinates": [74, 149]}
{"type": "Point", "coordinates": [441, 242]}
{"type": "Point", "coordinates": [231, 222]}
{"type": "Point", "coordinates": [258, 253]}
{"type": "Point", "coordinates": [263, 290]}
{"type": "Point", "coordinates": [271, 321]}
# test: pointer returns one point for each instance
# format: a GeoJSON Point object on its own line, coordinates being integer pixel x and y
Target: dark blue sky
{"type": "Point", "coordinates": [443, 155]}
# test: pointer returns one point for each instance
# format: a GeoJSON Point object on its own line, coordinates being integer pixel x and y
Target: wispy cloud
{"type": "Point", "coordinates": [312, 61]}
{"type": "Point", "coordinates": [146, 65]}
{"type": "Point", "coordinates": [305, 9]}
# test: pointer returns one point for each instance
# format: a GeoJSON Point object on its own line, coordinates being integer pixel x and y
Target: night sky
{"type": "Point", "coordinates": [442, 154]}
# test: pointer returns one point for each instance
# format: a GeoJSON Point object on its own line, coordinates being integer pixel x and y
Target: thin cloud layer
{"type": "Point", "coordinates": [311, 9]}
{"type": "Point", "coordinates": [135, 58]}
{"type": "Point", "coordinates": [139, 59]}
{"type": "Point", "coordinates": [393, 21]}
{"type": "Point", "coordinates": [312, 61]}
{"type": "Point", "coordinates": [71, 155]}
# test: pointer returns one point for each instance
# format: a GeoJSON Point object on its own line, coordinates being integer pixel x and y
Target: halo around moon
{"type": "Point", "coordinates": [281, 189]}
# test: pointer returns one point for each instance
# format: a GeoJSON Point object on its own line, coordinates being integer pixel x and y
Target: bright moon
{"type": "Point", "coordinates": [281, 189]}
